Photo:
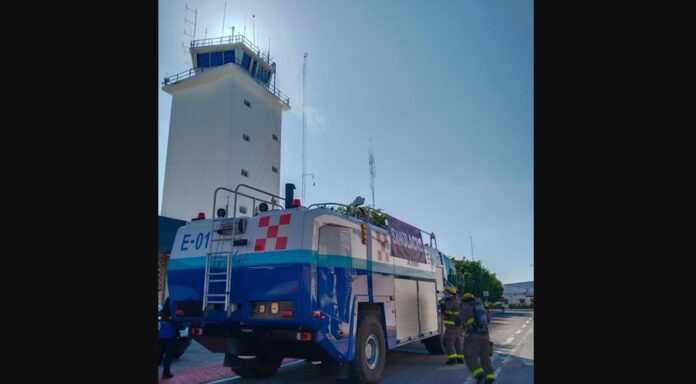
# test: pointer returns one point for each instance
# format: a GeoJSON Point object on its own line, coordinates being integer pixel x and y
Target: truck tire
{"type": "Point", "coordinates": [268, 366]}
{"type": "Point", "coordinates": [370, 352]}
{"type": "Point", "coordinates": [435, 345]}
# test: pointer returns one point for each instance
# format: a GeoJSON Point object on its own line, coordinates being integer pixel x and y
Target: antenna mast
{"type": "Point", "coordinates": [195, 19]}
{"type": "Point", "coordinates": [304, 125]}
{"type": "Point", "coordinates": [372, 172]}
{"type": "Point", "coordinates": [184, 47]}
{"type": "Point", "coordinates": [223, 20]}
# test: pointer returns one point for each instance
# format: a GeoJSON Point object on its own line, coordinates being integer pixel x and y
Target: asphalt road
{"type": "Point", "coordinates": [512, 334]}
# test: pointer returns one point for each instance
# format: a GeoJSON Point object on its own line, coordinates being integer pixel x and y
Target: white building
{"type": "Point", "coordinates": [225, 127]}
{"type": "Point", "coordinates": [519, 293]}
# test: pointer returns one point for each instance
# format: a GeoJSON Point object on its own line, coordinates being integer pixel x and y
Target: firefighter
{"type": "Point", "coordinates": [477, 344]}
{"type": "Point", "coordinates": [166, 333]}
{"type": "Point", "coordinates": [453, 339]}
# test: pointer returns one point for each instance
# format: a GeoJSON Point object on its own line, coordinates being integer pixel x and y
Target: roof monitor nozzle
{"type": "Point", "coordinates": [358, 201]}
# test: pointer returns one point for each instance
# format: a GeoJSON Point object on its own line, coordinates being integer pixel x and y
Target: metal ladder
{"type": "Point", "coordinates": [218, 261]}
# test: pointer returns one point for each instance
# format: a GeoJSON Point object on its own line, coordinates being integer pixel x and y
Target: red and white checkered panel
{"type": "Point", "coordinates": [276, 235]}
{"type": "Point", "coordinates": [383, 247]}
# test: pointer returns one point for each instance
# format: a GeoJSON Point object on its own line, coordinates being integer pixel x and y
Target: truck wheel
{"type": "Point", "coordinates": [435, 345]}
{"type": "Point", "coordinates": [268, 366]}
{"type": "Point", "coordinates": [370, 353]}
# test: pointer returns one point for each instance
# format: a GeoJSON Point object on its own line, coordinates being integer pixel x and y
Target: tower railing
{"type": "Point", "coordinates": [189, 73]}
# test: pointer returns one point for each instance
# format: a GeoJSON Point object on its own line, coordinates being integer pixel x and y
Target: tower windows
{"type": "Point", "coordinates": [229, 56]}
{"type": "Point", "coordinates": [246, 60]}
{"type": "Point", "coordinates": [214, 59]}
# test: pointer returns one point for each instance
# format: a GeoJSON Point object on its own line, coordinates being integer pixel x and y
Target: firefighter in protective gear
{"type": "Point", "coordinates": [453, 338]}
{"type": "Point", "coordinates": [477, 345]}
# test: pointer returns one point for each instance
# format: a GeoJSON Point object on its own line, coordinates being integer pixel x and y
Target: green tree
{"type": "Point", "coordinates": [478, 279]}
{"type": "Point", "coordinates": [362, 212]}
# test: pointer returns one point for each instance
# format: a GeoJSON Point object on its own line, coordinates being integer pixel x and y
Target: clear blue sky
{"type": "Point", "coordinates": [443, 88]}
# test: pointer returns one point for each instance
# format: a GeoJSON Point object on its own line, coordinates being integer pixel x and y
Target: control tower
{"type": "Point", "coordinates": [225, 127]}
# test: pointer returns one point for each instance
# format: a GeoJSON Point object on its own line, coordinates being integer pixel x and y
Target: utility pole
{"type": "Point", "coordinates": [372, 172]}
{"type": "Point", "coordinates": [471, 241]}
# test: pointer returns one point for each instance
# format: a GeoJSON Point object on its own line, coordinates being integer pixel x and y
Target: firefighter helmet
{"type": "Point", "coordinates": [467, 296]}
{"type": "Point", "coordinates": [451, 289]}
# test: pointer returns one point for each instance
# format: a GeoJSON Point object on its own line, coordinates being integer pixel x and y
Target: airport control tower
{"type": "Point", "coordinates": [225, 126]}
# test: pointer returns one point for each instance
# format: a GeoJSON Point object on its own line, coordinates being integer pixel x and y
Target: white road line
{"type": "Point", "coordinates": [228, 379]}
{"type": "Point", "coordinates": [518, 331]}
{"type": "Point", "coordinates": [524, 325]}
{"type": "Point", "coordinates": [509, 340]}
{"type": "Point", "coordinates": [497, 371]}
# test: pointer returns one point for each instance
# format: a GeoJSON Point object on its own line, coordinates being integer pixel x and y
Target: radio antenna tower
{"type": "Point", "coordinates": [372, 172]}
{"type": "Point", "coordinates": [304, 125]}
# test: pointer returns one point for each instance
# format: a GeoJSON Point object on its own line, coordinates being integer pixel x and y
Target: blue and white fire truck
{"type": "Point", "coordinates": [305, 282]}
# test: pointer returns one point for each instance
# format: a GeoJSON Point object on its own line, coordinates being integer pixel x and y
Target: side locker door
{"type": "Point", "coordinates": [334, 274]}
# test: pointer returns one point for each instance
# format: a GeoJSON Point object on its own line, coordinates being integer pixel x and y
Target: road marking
{"type": "Point", "coordinates": [518, 331]}
{"type": "Point", "coordinates": [524, 325]}
{"type": "Point", "coordinates": [509, 356]}
{"type": "Point", "coordinates": [509, 340]}
{"type": "Point", "coordinates": [228, 379]}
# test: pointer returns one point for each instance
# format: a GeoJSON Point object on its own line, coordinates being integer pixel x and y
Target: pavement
{"type": "Point", "coordinates": [512, 334]}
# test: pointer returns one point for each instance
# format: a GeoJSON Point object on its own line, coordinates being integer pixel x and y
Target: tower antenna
{"type": "Point", "coordinates": [223, 20]}
{"type": "Point", "coordinates": [195, 19]}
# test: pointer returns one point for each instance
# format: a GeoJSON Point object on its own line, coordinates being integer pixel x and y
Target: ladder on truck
{"type": "Point", "coordinates": [222, 249]}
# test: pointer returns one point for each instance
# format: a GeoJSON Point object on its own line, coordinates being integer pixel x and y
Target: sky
{"type": "Point", "coordinates": [443, 88]}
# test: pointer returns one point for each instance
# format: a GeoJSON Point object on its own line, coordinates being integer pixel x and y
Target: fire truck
{"type": "Point", "coordinates": [311, 283]}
